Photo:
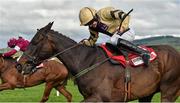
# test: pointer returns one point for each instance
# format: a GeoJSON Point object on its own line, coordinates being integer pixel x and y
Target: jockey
{"type": "Point", "coordinates": [19, 44]}
{"type": "Point", "coordinates": [107, 21]}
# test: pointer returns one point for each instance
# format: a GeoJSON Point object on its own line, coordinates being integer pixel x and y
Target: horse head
{"type": "Point", "coordinates": [40, 48]}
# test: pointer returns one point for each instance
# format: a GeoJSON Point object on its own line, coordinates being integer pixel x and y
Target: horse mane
{"type": "Point", "coordinates": [60, 35]}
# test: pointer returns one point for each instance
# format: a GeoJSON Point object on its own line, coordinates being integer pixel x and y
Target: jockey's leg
{"type": "Point", "coordinates": [124, 42]}
{"type": "Point", "coordinates": [130, 46]}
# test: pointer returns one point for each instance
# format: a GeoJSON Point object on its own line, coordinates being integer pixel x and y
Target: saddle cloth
{"type": "Point", "coordinates": [133, 59]}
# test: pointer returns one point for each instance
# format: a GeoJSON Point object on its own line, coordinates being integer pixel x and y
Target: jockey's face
{"type": "Point", "coordinates": [93, 24]}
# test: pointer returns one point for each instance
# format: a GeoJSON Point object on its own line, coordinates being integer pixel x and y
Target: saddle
{"type": "Point", "coordinates": [120, 56]}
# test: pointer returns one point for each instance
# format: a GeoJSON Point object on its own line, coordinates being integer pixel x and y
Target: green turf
{"type": "Point", "coordinates": [34, 94]}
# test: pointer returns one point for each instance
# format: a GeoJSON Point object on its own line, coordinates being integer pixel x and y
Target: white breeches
{"type": "Point", "coordinates": [129, 36]}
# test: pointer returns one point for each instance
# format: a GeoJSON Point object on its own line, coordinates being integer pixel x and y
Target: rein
{"type": "Point", "coordinates": [33, 58]}
{"type": "Point", "coordinates": [63, 51]}
{"type": "Point", "coordinates": [84, 71]}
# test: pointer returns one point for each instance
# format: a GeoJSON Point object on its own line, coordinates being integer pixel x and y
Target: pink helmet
{"type": "Point", "coordinates": [12, 42]}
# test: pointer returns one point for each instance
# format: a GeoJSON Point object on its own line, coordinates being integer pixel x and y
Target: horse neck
{"type": "Point", "coordinates": [6, 65]}
{"type": "Point", "coordinates": [77, 58]}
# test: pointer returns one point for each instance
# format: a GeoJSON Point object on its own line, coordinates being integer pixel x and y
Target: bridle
{"type": "Point", "coordinates": [33, 58]}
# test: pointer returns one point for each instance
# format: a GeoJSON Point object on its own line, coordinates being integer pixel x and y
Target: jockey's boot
{"type": "Point", "coordinates": [132, 47]}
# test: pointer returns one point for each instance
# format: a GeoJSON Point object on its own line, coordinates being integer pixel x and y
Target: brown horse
{"type": "Point", "coordinates": [105, 82]}
{"type": "Point", "coordinates": [53, 74]}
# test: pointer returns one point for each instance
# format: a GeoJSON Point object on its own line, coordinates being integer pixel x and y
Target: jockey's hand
{"type": "Point", "coordinates": [122, 31]}
{"type": "Point", "coordinates": [82, 41]}
{"type": "Point", "coordinates": [86, 42]}
{"type": "Point", "coordinates": [119, 33]}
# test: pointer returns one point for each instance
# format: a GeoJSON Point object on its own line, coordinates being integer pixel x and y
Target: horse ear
{"type": "Point", "coordinates": [49, 26]}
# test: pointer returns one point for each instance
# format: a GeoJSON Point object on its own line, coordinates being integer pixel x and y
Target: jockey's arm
{"type": "Point", "coordinates": [11, 52]}
{"type": "Point", "coordinates": [119, 14]}
{"type": "Point", "coordinates": [93, 37]}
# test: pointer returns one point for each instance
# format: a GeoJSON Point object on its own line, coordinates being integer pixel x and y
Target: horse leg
{"type": "Point", "coordinates": [64, 92]}
{"type": "Point", "coordinates": [169, 95]}
{"type": "Point", "coordinates": [146, 99]}
{"type": "Point", "coordinates": [6, 86]}
{"type": "Point", "coordinates": [102, 92]}
{"type": "Point", "coordinates": [169, 91]}
{"type": "Point", "coordinates": [93, 98]}
{"type": "Point", "coordinates": [47, 92]}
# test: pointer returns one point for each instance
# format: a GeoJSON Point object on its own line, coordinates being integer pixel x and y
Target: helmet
{"type": "Point", "coordinates": [86, 14]}
{"type": "Point", "coordinates": [12, 42]}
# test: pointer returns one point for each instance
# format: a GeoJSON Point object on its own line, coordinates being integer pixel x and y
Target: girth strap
{"type": "Point", "coordinates": [127, 84]}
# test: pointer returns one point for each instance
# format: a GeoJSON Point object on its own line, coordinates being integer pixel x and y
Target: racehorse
{"type": "Point", "coordinates": [105, 82]}
{"type": "Point", "coordinates": [53, 74]}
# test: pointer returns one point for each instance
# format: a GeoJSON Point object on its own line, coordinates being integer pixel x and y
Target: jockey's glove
{"type": "Point", "coordinates": [121, 33]}
{"type": "Point", "coordinates": [86, 42]}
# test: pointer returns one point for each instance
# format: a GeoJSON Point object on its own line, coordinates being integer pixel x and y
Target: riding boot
{"type": "Point", "coordinates": [131, 47]}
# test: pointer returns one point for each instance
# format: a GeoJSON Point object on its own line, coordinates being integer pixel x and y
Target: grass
{"type": "Point", "coordinates": [34, 94]}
